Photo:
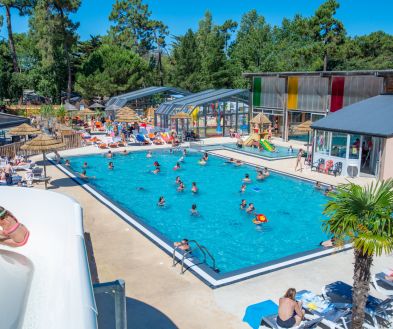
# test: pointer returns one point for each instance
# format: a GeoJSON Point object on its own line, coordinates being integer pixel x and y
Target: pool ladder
{"type": "Point", "coordinates": [205, 252]}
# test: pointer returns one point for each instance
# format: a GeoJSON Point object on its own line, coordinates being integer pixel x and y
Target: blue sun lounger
{"type": "Point", "coordinates": [341, 292]}
{"type": "Point", "coordinates": [382, 285]}
{"type": "Point", "coordinates": [141, 139]}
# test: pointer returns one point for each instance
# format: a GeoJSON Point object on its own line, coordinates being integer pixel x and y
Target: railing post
{"type": "Point", "coordinates": [120, 305]}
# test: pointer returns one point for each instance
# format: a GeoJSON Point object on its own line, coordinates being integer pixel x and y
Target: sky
{"type": "Point", "coordinates": [359, 16]}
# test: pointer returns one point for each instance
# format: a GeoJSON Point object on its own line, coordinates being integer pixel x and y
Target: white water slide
{"type": "Point", "coordinates": [46, 283]}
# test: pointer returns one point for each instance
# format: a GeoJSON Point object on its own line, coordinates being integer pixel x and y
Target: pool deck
{"type": "Point", "coordinates": [122, 252]}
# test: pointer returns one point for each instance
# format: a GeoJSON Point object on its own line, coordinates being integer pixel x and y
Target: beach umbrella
{"type": "Point", "coordinates": [128, 118]}
{"type": "Point", "coordinates": [24, 130]}
{"type": "Point", "coordinates": [126, 111]}
{"type": "Point", "coordinates": [69, 107]}
{"type": "Point", "coordinates": [96, 106]}
{"type": "Point", "coordinates": [261, 119]}
{"type": "Point", "coordinates": [43, 143]}
{"type": "Point", "coordinates": [85, 112]}
{"type": "Point", "coordinates": [305, 127]}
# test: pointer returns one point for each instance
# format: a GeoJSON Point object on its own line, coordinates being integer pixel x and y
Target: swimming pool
{"type": "Point", "coordinates": [280, 153]}
{"type": "Point", "coordinates": [292, 206]}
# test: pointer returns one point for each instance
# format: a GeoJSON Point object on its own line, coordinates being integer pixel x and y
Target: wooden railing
{"type": "Point", "coordinates": [10, 150]}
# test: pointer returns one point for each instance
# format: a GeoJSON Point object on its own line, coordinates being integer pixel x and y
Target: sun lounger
{"type": "Point", "coordinates": [382, 285]}
{"type": "Point", "coordinates": [142, 139]}
{"type": "Point", "coordinates": [38, 175]}
{"type": "Point", "coordinates": [376, 308]}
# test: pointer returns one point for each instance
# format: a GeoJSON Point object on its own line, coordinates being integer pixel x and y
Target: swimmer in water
{"type": "Point", "coordinates": [231, 160]}
{"type": "Point", "coordinates": [194, 188]}
{"type": "Point", "coordinates": [125, 152]}
{"type": "Point", "coordinates": [266, 172]}
{"type": "Point", "coordinates": [205, 156]}
{"type": "Point", "coordinates": [318, 185]}
{"type": "Point", "coordinates": [85, 166]}
{"type": "Point", "coordinates": [156, 164]}
{"type": "Point", "coordinates": [329, 190]}
{"type": "Point", "coordinates": [111, 166]}
{"type": "Point", "coordinates": [148, 154]}
{"type": "Point", "coordinates": [161, 201]}
{"type": "Point", "coordinates": [109, 154]}
{"type": "Point", "coordinates": [243, 188]}
{"type": "Point", "coordinates": [243, 205]}
{"type": "Point", "coordinates": [181, 159]}
{"type": "Point", "coordinates": [250, 208]}
{"type": "Point", "coordinates": [183, 245]}
{"type": "Point", "coordinates": [177, 166]}
{"type": "Point", "coordinates": [260, 175]}
{"type": "Point", "coordinates": [238, 163]}
{"type": "Point", "coordinates": [178, 180]}
{"type": "Point", "coordinates": [67, 163]}
{"type": "Point", "coordinates": [193, 210]}
{"type": "Point", "coordinates": [246, 178]}
{"type": "Point", "coordinates": [156, 171]}
{"type": "Point", "coordinates": [181, 187]}
{"type": "Point", "coordinates": [84, 176]}
{"type": "Point", "coordinates": [202, 162]}
{"type": "Point", "coordinates": [184, 152]}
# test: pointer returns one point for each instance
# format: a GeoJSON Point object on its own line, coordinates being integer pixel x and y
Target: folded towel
{"type": "Point", "coordinates": [255, 313]}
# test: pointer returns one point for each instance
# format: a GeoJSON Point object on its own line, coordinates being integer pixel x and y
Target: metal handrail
{"type": "Point", "coordinates": [211, 257]}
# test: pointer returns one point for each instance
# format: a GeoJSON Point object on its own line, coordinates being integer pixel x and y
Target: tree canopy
{"type": "Point", "coordinates": [138, 50]}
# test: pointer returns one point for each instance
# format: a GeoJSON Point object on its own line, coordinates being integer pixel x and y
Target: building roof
{"type": "Point", "coordinates": [123, 99]}
{"type": "Point", "coordinates": [372, 116]}
{"type": "Point", "coordinates": [378, 73]}
{"type": "Point", "coordinates": [9, 120]}
{"type": "Point", "coordinates": [188, 103]}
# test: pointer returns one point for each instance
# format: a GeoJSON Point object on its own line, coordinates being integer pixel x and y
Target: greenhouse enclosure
{"type": "Point", "coordinates": [209, 113]}
{"type": "Point", "coordinates": [143, 99]}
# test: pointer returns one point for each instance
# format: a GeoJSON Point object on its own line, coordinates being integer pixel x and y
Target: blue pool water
{"type": "Point", "coordinates": [280, 152]}
{"type": "Point", "coordinates": [293, 207]}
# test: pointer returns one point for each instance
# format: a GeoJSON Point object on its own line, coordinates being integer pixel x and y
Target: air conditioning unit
{"type": "Point", "coordinates": [352, 171]}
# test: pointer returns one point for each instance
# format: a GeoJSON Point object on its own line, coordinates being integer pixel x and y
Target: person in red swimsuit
{"type": "Point", "coordinates": [14, 234]}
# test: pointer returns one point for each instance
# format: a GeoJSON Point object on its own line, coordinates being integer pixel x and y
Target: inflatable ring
{"type": "Point", "coordinates": [259, 219]}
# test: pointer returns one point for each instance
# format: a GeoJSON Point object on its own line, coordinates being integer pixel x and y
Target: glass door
{"type": "Point", "coordinates": [371, 150]}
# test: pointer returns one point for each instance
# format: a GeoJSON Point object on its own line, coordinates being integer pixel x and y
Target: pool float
{"type": "Point", "coordinates": [259, 219]}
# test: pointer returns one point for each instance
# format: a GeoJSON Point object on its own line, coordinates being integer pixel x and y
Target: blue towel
{"type": "Point", "coordinates": [255, 312]}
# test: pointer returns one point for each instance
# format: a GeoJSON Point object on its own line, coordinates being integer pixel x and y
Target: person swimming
{"type": "Point", "coordinates": [156, 171]}
{"type": "Point", "coordinates": [260, 175]}
{"type": "Point", "coordinates": [243, 188]}
{"type": "Point", "coordinates": [85, 166]}
{"type": "Point", "coordinates": [111, 166]}
{"type": "Point", "coordinates": [184, 152]}
{"type": "Point", "coordinates": [178, 180]}
{"type": "Point", "coordinates": [318, 185]}
{"type": "Point", "coordinates": [149, 154]}
{"type": "Point", "coordinates": [246, 178]}
{"type": "Point", "coordinates": [161, 201]}
{"type": "Point", "coordinates": [183, 245]}
{"type": "Point", "coordinates": [238, 163]}
{"type": "Point", "coordinates": [67, 163]}
{"type": "Point", "coordinates": [329, 190]}
{"type": "Point", "coordinates": [177, 166]}
{"type": "Point", "coordinates": [181, 159]}
{"type": "Point", "coordinates": [193, 210]}
{"type": "Point", "coordinates": [250, 208]}
{"type": "Point", "coordinates": [181, 187]}
{"type": "Point", "coordinates": [109, 154]}
{"type": "Point", "coordinates": [205, 156]}
{"type": "Point", "coordinates": [194, 188]}
{"type": "Point", "coordinates": [202, 162]}
{"type": "Point", "coordinates": [243, 205]}
{"type": "Point", "coordinates": [290, 149]}
{"type": "Point", "coordinates": [83, 175]}
{"type": "Point", "coordinates": [266, 172]}
{"type": "Point", "coordinates": [125, 152]}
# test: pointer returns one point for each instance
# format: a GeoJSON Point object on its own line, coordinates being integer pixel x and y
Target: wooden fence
{"type": "Point", "coordinates": [10, 150]}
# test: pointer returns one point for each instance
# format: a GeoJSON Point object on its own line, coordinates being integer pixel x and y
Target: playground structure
{"type": "Point", "coordinates": [262, 128]}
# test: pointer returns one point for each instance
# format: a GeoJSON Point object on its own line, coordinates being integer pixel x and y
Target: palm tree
{"type": "Point", "coordinates": [61, 113]}
{"type": "Point", "coordinates": [364, 215]}
{"type": "Point", "coordinates": [46, 113]}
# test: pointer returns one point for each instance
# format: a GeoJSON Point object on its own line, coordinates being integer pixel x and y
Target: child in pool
{"type": "Point", "coordinates": [193, 210]}
{"type": "Point", "coordinates": [243, 188]}
{"type": "Point", "coordinates": [181, 187]}
{"type": "Point", "coordinates": [177, 166]}
{"type": "Point", "coordinates": [161, 201]}
{"type": "Point", "coordinates": [194, 188]}
{"type": "Point", "coordinates": [250, 208]}
{"type": "Point", "coordinates": [246, 178]}
{"type": "Point", "coordinates": [243, 205]}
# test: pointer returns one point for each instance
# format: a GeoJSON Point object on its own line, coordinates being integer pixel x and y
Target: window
{"type": "Point", "coordinates": [339, 145]}
{"type": "Point", "coordinates": [354, 146]}
{"type": "Point", "coordinates": [322, 142]}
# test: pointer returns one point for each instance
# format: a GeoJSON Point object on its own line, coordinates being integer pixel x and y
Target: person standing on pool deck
{"type": "Point", "coordinates": [290, 312]}
{"type": "Point", "coordinates": [299, 160]}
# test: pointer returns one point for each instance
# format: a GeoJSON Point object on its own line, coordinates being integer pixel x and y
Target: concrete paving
{"type": "Point", "coordinates": [122, 252]}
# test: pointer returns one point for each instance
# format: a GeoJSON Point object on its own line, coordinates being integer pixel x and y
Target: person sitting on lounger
{"type": "Point", "coordinates": [14, 234]}
{"type": "Point", "coordinates": [183, 245]}
{"type": "Point", "coordinates": [290, 312]}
